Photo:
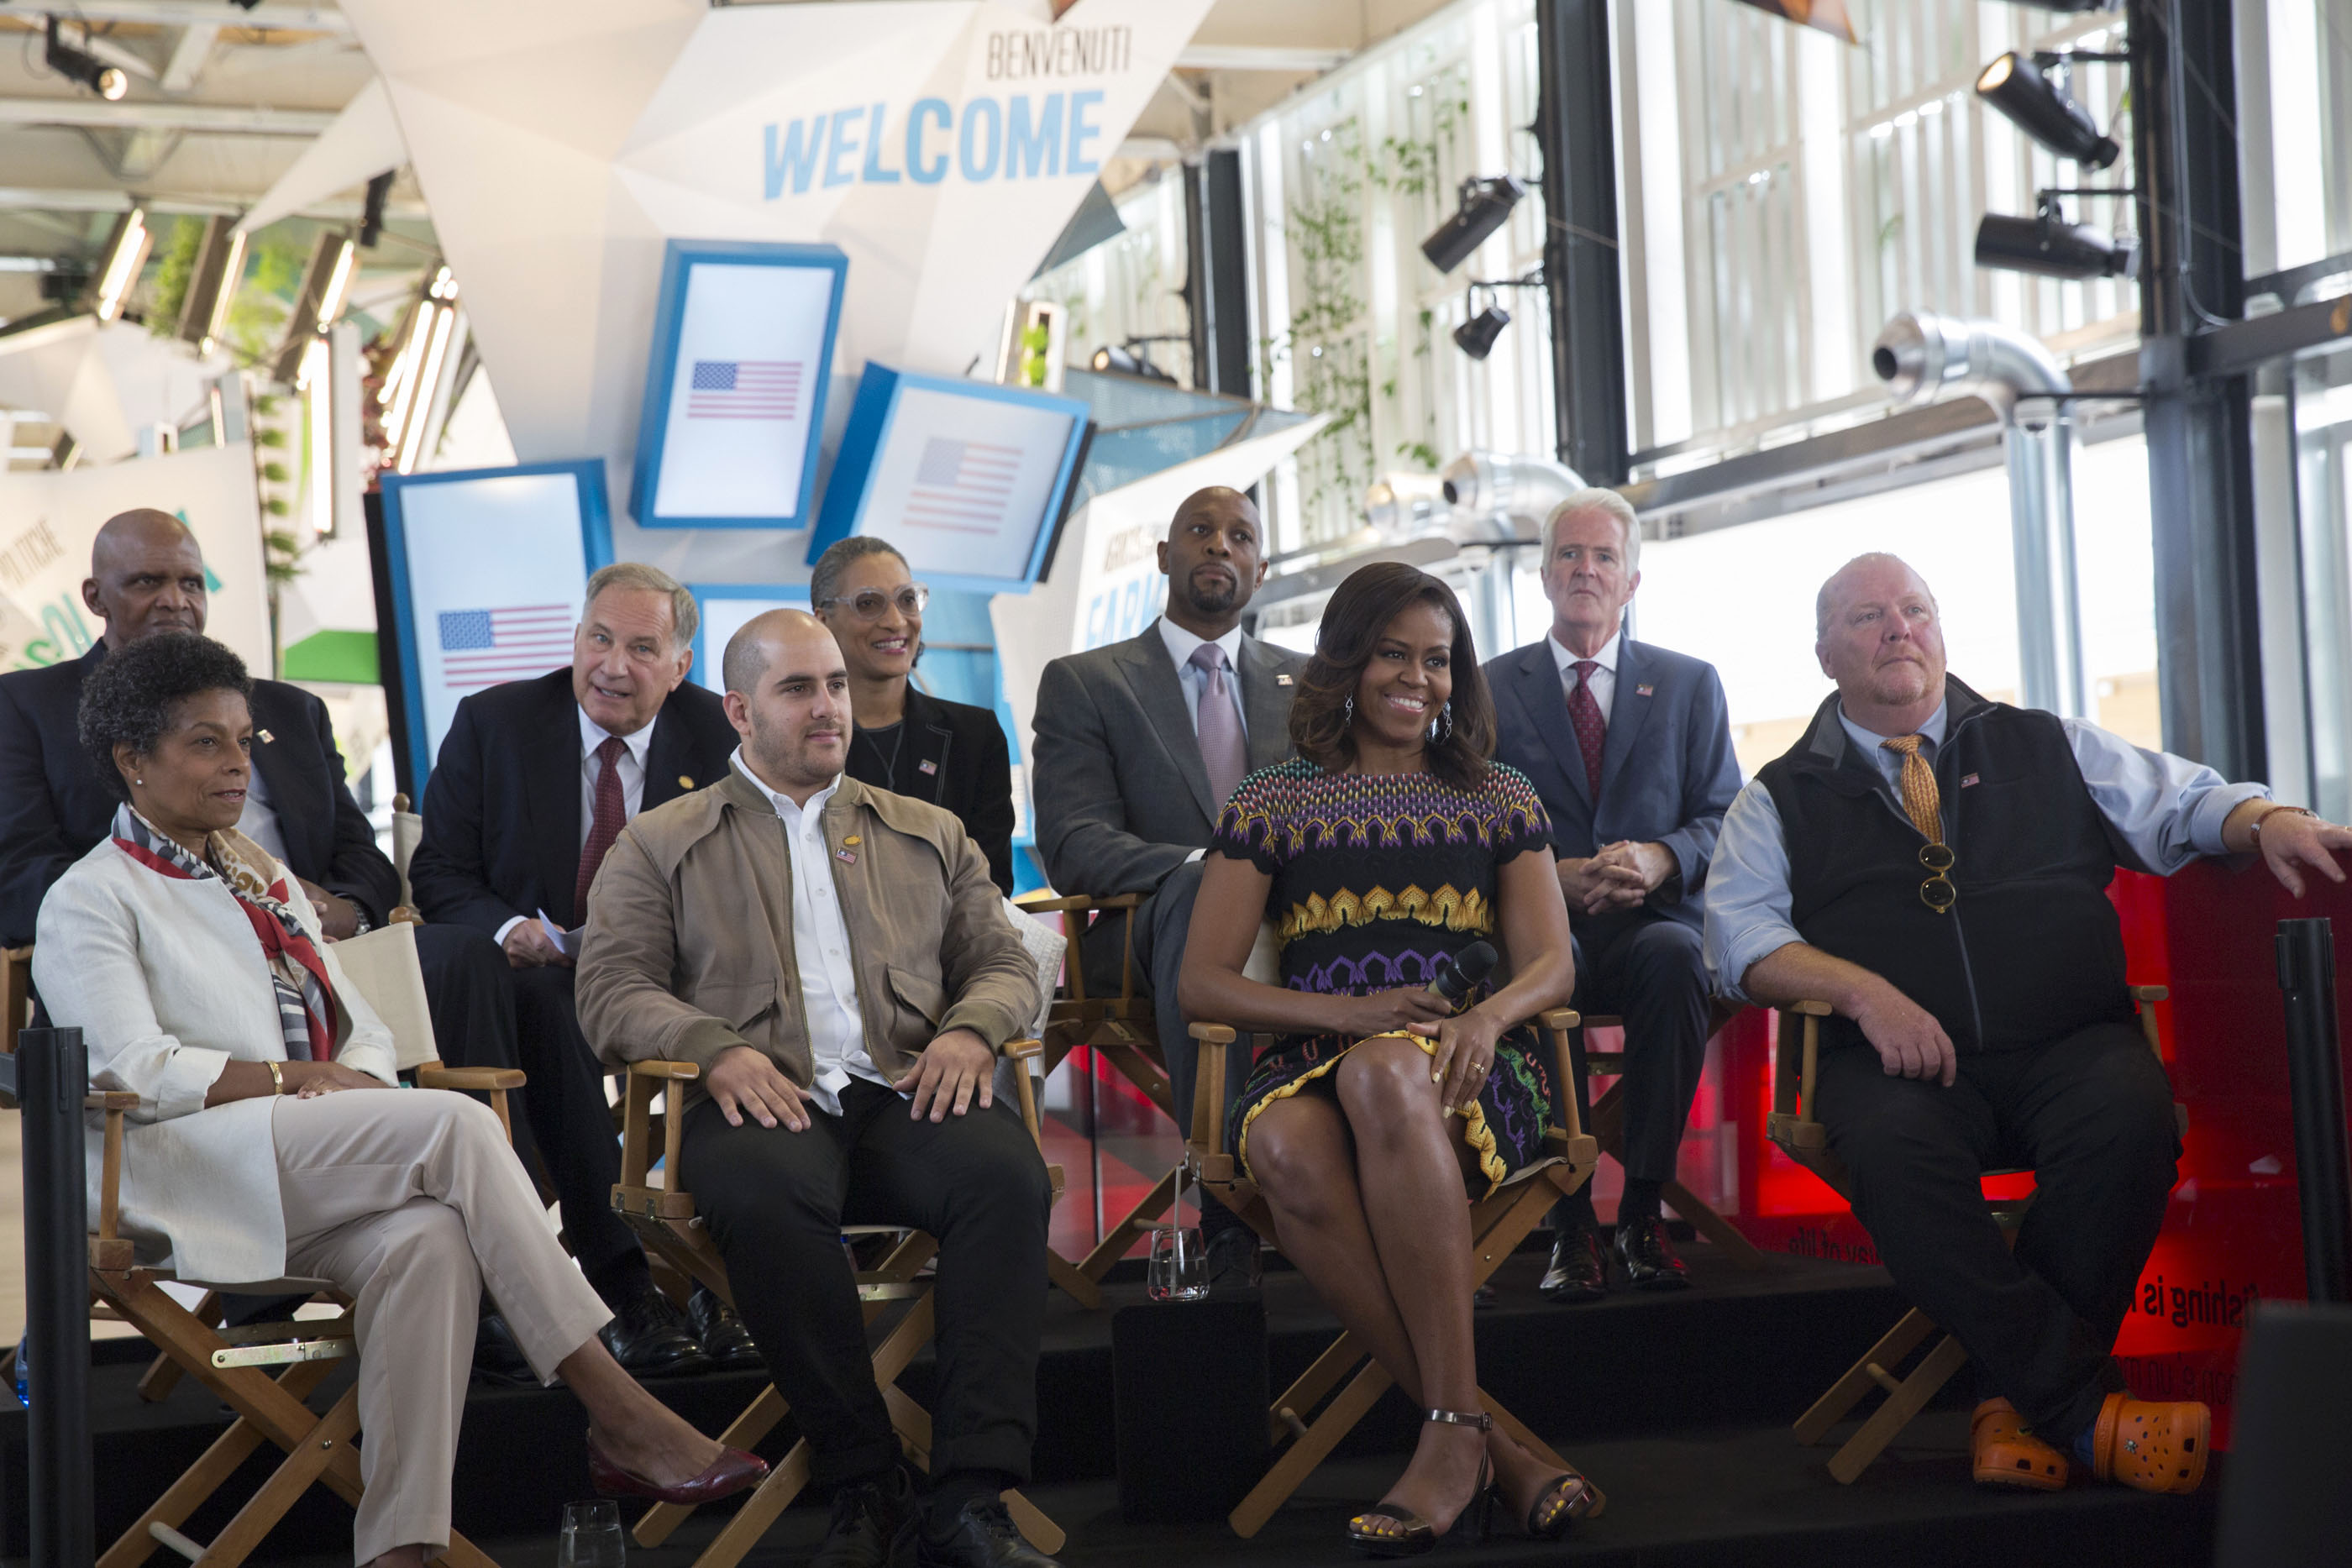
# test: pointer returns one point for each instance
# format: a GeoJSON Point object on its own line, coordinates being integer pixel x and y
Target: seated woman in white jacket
{"type": "Point", "coordinates": [195, 967]}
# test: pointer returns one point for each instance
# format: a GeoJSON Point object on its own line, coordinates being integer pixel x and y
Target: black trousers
{"type": "Point", "coordinates": [571, 1125]}
{"type": "Point", "coordinates": [1651, 972]}
{"type": "Point", "coordinates": [1161, 923]}
{"type": "Point", "coordinates": [2092, 1116]}
{"type": "Point", "coordinates": [776, 1201]}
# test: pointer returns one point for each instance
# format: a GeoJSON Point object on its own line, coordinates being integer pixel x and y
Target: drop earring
{"type": "Point", "coordinates": [1347, 714]}
{"type": "Point", "coordinates": [1443, 725]}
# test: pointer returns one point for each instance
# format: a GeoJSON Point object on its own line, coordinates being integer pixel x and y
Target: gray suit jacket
{"type": "Point", "coordinates": [1121, 796]}
{"type": "Point", "coordinates": [1667, 772]}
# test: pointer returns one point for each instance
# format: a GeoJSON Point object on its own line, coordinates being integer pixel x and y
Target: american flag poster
{"type": "Point", "coordinates": [962, 487]}
{"type": "Point", "coordinates": [484, 647]}
{"type": "Point", "coordinates": [743, 418]}
{"type": "Point", "coordinates": [964, 484]}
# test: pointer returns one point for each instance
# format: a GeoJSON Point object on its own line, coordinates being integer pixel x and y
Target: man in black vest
{"type": "Point", "coordinates": [531, 785]}
{"type": "Point", "coordinates": [1934, 865]}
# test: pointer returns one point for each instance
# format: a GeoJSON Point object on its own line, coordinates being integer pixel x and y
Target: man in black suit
{"type": "Point", "coordinates": [147, 579]}
{"type": "Point", "coordinates": [1630, 747]}
{"type": "Point", "coordinates": [1138, 746]}
{"type": "Point", "coordinates": [531, 785]}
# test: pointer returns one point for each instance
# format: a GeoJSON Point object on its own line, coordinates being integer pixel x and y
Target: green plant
{"type": "Point", "coordinates": [258, 308]}
{"type": "Point", "coordinates": [169, 292]}
{"type": "Point", "coordinates": [1331, 362]}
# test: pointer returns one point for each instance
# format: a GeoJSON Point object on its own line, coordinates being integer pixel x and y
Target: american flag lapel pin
{"type": "Point", "coordinates": [1281, 680]}
{"type": "Point", "coordinates": [926, 765]}
{"type": "Point", "coordinates": [1968, 780]}
{"type": "Point", "coordinates": [846, 854]}
{"type": "Point", "coordinates": [1644, 691]}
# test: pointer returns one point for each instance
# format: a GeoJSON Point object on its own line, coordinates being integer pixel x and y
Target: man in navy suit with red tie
{"type": "Point", "coordinates": [1630, 747]}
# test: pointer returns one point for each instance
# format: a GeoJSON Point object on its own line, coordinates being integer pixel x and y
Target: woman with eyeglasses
{"type": "Point", "coordinates": [906, 740]}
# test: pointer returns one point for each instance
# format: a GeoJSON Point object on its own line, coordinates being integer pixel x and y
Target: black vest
{"type": "Point", "coordinates": [2033, 950]}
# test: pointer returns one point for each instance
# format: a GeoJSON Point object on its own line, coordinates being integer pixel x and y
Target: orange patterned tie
{"type": "Point", "coordinates": [1921, 800]}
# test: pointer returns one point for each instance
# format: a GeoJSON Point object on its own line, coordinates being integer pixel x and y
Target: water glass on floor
{"type": "Point", "coordinates": [592, 1537]}
{"type": "Point", "coordinates": [1179, 1266]}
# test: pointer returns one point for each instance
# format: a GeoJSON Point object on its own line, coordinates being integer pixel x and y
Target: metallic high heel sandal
{"type": "Point", "coordinates": [1569, 1497]}
{"type": "Point", "coordinates": [1416, 1535]}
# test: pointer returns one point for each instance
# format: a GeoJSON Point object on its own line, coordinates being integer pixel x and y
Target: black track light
{"type": "Point", "coordinates": [1484, 204]}
{"type": "Point", "coordinates": [1477, 335]}
{"type": "Point", "coordinates": [2033, 104]}
{"type": "Point", "coordinates": [1126, 361]}
{"type": "Point", "coordinates": [79, 65]}
{"type": "Point", "coordinates": [2052, 247]}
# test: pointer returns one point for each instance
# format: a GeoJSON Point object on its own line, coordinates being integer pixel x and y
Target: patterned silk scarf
{"type": "Point", "coordinates": [306, 1006]}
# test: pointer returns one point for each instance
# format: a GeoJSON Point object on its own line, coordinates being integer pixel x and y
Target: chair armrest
{"type": "Point", "coordinates": [1023, 1050]}
{"type": "Point", "coordinates": [1046, 903]}
{"type": "Point", "coordinates": [1811, 1010]}
{"type": "Point", "coordinates": [2149, 993]}
{"type": "Point", "coordinates": [475, 1080]}
{"type": "Point", "coordinates": [683, 1071]}
{"type": "Point", "coordinates": [113, 1101]}
{"type": "Point", "coordinates": [1210, 1033]}
{"type": "Point", "coordinates": [1560, 1018]}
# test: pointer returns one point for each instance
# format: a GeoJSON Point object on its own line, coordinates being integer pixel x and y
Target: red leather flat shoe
{"type": "Point", "coordinates": [734, 1470]}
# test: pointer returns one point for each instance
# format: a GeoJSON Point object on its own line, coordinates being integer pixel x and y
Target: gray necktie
{"type": "Point", "coordinates": [1224, 752]}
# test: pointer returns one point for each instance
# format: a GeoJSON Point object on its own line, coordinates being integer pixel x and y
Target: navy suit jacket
{"type": "Point", "coordinates": [54, 811]}
{"type": "Point", "coordinates": [502, 807]}
{"type": "Point", "coordinates": [1667, 772]}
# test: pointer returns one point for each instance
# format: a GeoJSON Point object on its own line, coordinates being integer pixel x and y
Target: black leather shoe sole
{"type": "Point", "coordinates": [663, 1353]}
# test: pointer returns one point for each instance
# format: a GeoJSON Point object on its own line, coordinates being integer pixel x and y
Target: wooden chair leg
{"type": "Point", "coordinates": [1517, 1430]}
{"type": "Point", "coordinates": [1713, 1226]}
{"type": "Point", "coordinates": [211, 1471]}
{"type": "Point", "coordinates": [1909, 1333]}
{"type": "Point", "coordinates": [758, 1420]}
{"type": "Point", "coordinates": [306, 1463]}
{"type": "Point", "coordinates": [1306, 1392]}
{"type": "Point", "coordinates": [162, 1373]}
{"type": "Point", "coordinates": [1069, 1277]}
{"type": "Point", "coordinates": [760, 1511]}
{"type": "Point", "coordinates": [1130, 1227]}
{"type": "Point", "coordinates": [1904, 1401]}
{"type": "Point", "coordinates": [1314, 1446]}
{"type": "Point", "coordinates": [913, 1424]}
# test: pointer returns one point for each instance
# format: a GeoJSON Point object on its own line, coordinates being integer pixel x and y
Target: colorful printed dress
{"type": "Point", "coordinates": [1375, 880]}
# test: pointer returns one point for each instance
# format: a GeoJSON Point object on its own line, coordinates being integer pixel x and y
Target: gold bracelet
{"type": "Point", "coordinates": [277, 1077]}
{"type": "Point", "coordinates": [2254, 829]}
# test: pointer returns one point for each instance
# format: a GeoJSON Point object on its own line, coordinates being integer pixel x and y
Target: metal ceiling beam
{"type": "Point", "coordinates": [1260, 57]}
{"type": "Point", "coordinates": [215, 118]}
{"type": "Point", "coordinates": [294, 18]}
{"type": "Point", "coordinates": [189, 55]}
{"type": "Point", "coordinates": [17, 200]}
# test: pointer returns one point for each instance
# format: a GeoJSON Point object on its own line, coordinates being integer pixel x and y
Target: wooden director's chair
{"type": "Point", "coordinates": [1793, 1127]}
{"type": "Point", "coordinates": [1608, 1132]}
{"type": "Point", "coordinates": [665, 1216]}
{"type": "Point", "coordinates": [235, 1363]}
{"type": "Point", "coordinates": [1121, 1031]}
{"type": "Point", "coordinates": [1498, 1222]}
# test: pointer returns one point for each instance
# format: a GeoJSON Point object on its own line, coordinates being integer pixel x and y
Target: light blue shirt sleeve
{"type": "Point", "coordinates": [1747, 895]}
{"type": "Point", "coordinates": [2165, 811]}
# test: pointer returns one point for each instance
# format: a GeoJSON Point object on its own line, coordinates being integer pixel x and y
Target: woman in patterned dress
{"type": "Point", "coordinates": [1391, 842]}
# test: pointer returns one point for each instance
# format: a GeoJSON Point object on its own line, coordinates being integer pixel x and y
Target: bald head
{"type": "Point", "coordinates": [788, 697]}
{"type": "Point", "coordinates": [146, 576]}
{"type": "Point", "coordinates": [1880, 636]}
{"type": "Point", "coordinates": [1214, 557]}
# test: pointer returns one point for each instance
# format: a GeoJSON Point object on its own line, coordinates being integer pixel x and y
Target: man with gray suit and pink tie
{"type": "Point", "coordinates": [1630, 747]}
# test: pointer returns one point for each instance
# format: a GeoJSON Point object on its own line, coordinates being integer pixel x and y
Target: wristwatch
{"type": "Point", "coordinates": [2254, 832]}
{"type": "Point", "coordinates": [277, 1077]}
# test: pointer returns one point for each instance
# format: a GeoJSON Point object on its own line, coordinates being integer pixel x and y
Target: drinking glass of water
{"type": "Point", "coordinates": [1179, 1267]}
{"type": "Point", "coordinates": [592, 1537]}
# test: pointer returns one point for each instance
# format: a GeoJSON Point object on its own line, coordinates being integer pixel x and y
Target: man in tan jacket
{"type": "Point", "coordinates": [838, 962]}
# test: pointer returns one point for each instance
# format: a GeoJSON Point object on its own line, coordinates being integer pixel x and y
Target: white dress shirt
{"type": "Point", "coordinates": [631, 764]}
{"type": "Point", "coordinates": [1195, 680]}
{"type": "Point", "coordinates": [836, 1029]}
{"type": "Point", "coordinates": [1602, 681]}
{"type": "Point", "coordinates": [2166, 810]}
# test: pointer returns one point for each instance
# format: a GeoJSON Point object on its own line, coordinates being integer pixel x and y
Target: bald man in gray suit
{"type": "Point", "coordinates": [1137, 746]}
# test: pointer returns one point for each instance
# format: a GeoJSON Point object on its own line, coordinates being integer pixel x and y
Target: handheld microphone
{"type": "Point", "coordinates": [1456, 975]}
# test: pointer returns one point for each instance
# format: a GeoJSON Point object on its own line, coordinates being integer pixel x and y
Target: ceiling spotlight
{"type": "Point", "coordinates": [2040, 107]}
{"type": "Point", "coordinates": [1127, 361]}
{"type": "Point", "coordinates": [81, 66]}
{"type": "Point", "coordinates": [1477, 335]}
{"type": "Point", "coordinates": [372, 212]}
{"type": "Point", "coordinates": [118, 265]}
{"type": "Point", "coordinates": [2052, 247]}
{"type": "Point", "coordinates": [1484, 204]}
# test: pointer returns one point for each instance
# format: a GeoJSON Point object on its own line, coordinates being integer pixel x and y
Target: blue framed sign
{"type": "Point", "coordinates": [488, 568]}
{"type": "Point", "coordinates": [725, 607]}
{"type": "Point", "coordinates": [969, 480]}
{"type": "Point", "coordinates": [735, 386]}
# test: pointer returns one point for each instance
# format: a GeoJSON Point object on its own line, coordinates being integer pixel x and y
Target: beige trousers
{"type": "Point", "coordinates": [411, 1201]}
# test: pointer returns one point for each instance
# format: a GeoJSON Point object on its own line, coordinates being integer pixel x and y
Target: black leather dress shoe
{"type": "Point", "coordinates": [648, 1338]}
{"type": "Point", "coordinates": [1232, 1263]}
{"type": "Point", "coordinates": [982, 1537]}
{"type": "Point", "coordinates": [1580, 1270]}
{"type": "Point", "coordinates": [721, 1332]}
{"type": "Point", "coordinates": [1649, 1258]}
{"type": "Point", "coordinates": [867, 1517]}
{"type": "Point", "coordinates": [498, 1357]}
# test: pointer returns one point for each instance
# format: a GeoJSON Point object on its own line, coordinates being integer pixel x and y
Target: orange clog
{"type": "Point", "coordinates": [2006, 1453]}
{"type": "Point", "coordinates": [2155, 1447]}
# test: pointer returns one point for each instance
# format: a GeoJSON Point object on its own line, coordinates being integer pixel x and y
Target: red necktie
{"type": "Point", "coordinates": [1592, 729]}
{"type": "Point", "coordinates": [611, 813]}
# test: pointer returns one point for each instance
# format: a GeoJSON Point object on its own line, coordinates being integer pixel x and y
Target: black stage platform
{"type": "Point", "coordinates": [1677, 1405]}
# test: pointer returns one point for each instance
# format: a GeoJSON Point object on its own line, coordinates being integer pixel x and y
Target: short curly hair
{"type": "Point", "coordinates": [129, 700]}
